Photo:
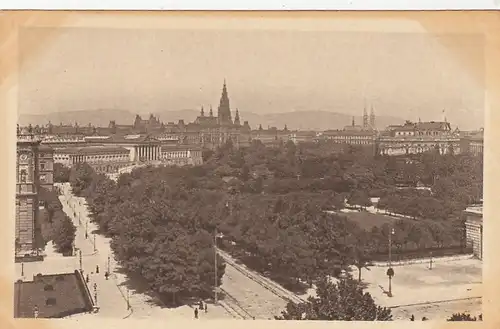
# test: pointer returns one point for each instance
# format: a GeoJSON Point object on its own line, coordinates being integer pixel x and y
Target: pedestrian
{"type": "Point", "coordinates": [87, 278]}
{"type": "Point", "coordinates": [97, 269]}
{"type": "Point", "coordinates": [206, 309]}
{"type": "Point", "coordinates": [196, 313]}
{"type": "Point", "coordinates": [106, 275]}
{"type": "Point", "coordinates": [201, 305]}
{"type": "Point", "coordinates": [412, 318]}
{"type": "Point", "coordinates": [424, 319]}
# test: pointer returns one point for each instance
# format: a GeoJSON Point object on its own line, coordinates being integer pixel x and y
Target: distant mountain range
{"type": "Point", "coordinates": [302, 120]}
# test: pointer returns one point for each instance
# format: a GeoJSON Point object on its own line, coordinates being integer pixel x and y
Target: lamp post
{"type": "Point", "coordinates": [109, 258]}
{"type": "Point", "coordinates": [94, 244]}
{"type": "Point", "coordinates": [430, 262]}
{"type": "Point", "coordinates": [22, 269]}
{"type": "Point", "coordinates": [390, 246]}
{"type": "Point", "coordinates": [87, 229]}
{"type": "Point", "coordinates": [80, 257]}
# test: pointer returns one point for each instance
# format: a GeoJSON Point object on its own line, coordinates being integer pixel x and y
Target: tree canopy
{"type": "Point", "coordinates": [342, 301]}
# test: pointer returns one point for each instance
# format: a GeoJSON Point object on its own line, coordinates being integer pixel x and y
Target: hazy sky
{"type": "Point", "coordinates": [400, 74]}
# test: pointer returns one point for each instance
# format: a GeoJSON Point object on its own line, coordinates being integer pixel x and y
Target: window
{"type": "Point", "coordinates": [48, 287]}
{"type": "Point", "coordinates": [42, 165]}
{"type": "Point", "coordinates": [22, 176]}
{"type": "Point", "coordinates": [43, 178]}
{"type": "Point", "coordinates": [51, 301]}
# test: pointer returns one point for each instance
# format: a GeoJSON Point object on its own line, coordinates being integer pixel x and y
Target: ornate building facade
{"type": "Point", "coordinates": [414, 138]}
{"type": "Point", "coordinates": [34, 169]}
{"type": "Point", "coordinates": [110, 154]}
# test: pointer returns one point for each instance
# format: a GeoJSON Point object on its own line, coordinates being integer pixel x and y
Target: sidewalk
{"type": "Point", "coordinates": [112, 294]}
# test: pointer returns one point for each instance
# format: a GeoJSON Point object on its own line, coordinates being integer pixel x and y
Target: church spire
{"type": "Point", "coordinates": [202, 111]}
{"type": "Point", "coordinates": [372, 118]}
{"type": "Point", "coordinates": [224, 111]}
{"type": "Point", "coordinates": [353, 122]}
{"type": "Point", "coordinates": [211, 112]}
{"type": "Point", "coordinates": [365, 118]}
{"type": "Point", "coordinates": [237, 118]}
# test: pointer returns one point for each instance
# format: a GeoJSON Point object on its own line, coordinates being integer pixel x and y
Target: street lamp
{"type": "Point", "coordinates": [430, 262]}
{"type": "Point", "coordinates": [80, 256]}
{"type": "Point", "coordinates": [94, 244]}
{"type": "Point", "coordinates": [87, 229]}
{"type": "Point", "coordinates": [390, 246]}
{"type": "Point", "coordinates": [22, 269]}
{"type": "Point", "coordinates": [109, 258]}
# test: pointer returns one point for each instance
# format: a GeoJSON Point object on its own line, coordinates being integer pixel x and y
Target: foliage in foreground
{"type": "Point", "coordinates": [465, 317]}
{"type": "Point", "coordinates": [342, 301]}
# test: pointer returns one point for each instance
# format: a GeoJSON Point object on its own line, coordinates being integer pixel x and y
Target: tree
{"type": "Point", "coordinates": [61, 173]}
{"type": "Point", "coordinates": [344, 300]}
{"type": "Point", "coordinates": [463, 317]}
{"type": "Point", "coordinates": [65, 235]}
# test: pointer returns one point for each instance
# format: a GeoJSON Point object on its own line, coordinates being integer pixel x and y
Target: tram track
{"type": "Point", "coordinates": [263, 282]}
{"type": "Point", "coordinates": [233, 307]}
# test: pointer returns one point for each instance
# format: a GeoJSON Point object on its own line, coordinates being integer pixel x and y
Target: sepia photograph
{"type": "Point", "coordinates": [239, 168]}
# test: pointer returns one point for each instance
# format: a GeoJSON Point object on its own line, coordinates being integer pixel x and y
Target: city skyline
{"type": "Point", "coordinates": [388, 73]}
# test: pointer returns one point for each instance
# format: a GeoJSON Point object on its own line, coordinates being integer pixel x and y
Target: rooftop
{"type": "Point", "coordinates": [475, 209]}
{"type": "Point", "coordinates": [55, 296]}
{"type": "Point", "coordinates": [93, 150]}
{"type": "Point", "coordinates": [348, 133]}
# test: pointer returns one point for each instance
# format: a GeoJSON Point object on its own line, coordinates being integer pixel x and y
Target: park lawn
{"type": "Point", "coordinates": [367, 220]}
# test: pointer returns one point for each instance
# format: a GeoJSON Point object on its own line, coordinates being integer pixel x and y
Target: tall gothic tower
{"type": "Point", "coordinates": [365, 119]}
{"type": "Point", "coordinates": [224, 112]}
{"type": "Point", "coordinates": [372, 118]}
{"type": "Point", "coordinates": [26, 190]}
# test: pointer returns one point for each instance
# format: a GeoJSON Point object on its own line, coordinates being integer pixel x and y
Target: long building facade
{"type": "Point", "coordinates": [414, 138]}
{"type": "Point", "coordinates": [211, 130]}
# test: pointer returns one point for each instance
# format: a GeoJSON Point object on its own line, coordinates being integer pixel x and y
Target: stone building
{"type": "Point", "coordinates": [46, 166]}
{"type": "Point", "coordinates": [354, 134]}
{"type": "Point", "coordinates": [473, 143]}
{"type": "Point", "coordinates": [474, 229]}
{"type": "Point", "coordinates": [27, 186]}
{"type": "Point", "coordinates": [415, 138]}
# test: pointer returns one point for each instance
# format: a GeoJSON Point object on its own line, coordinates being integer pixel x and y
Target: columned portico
{"type": "Point", "coordinates": [147, 153]}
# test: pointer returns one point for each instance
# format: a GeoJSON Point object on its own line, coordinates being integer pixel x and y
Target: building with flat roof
{"type": "Point", "coordinates": [52, 296]}
{"type": "Point", "coordinates": [474, 229]}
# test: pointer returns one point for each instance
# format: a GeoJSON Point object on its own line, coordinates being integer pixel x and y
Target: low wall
{"type": "Point", "coordinates": [87, 296]}
{"type": "Point", "coordinates": [28, 259]}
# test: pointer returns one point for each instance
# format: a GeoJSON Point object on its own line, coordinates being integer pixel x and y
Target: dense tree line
{"type": "Point", "coordinates": [155, 230]}
{"type": "Point", "coordinates": [55, 224]}
{"type": "Point", "coordinates": [270, 204]}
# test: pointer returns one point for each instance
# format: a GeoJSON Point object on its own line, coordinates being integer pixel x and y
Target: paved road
{"type": "Point", "coordinates": [112, 293]}
{"type": "Point", "coordinates": [252, 296]}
